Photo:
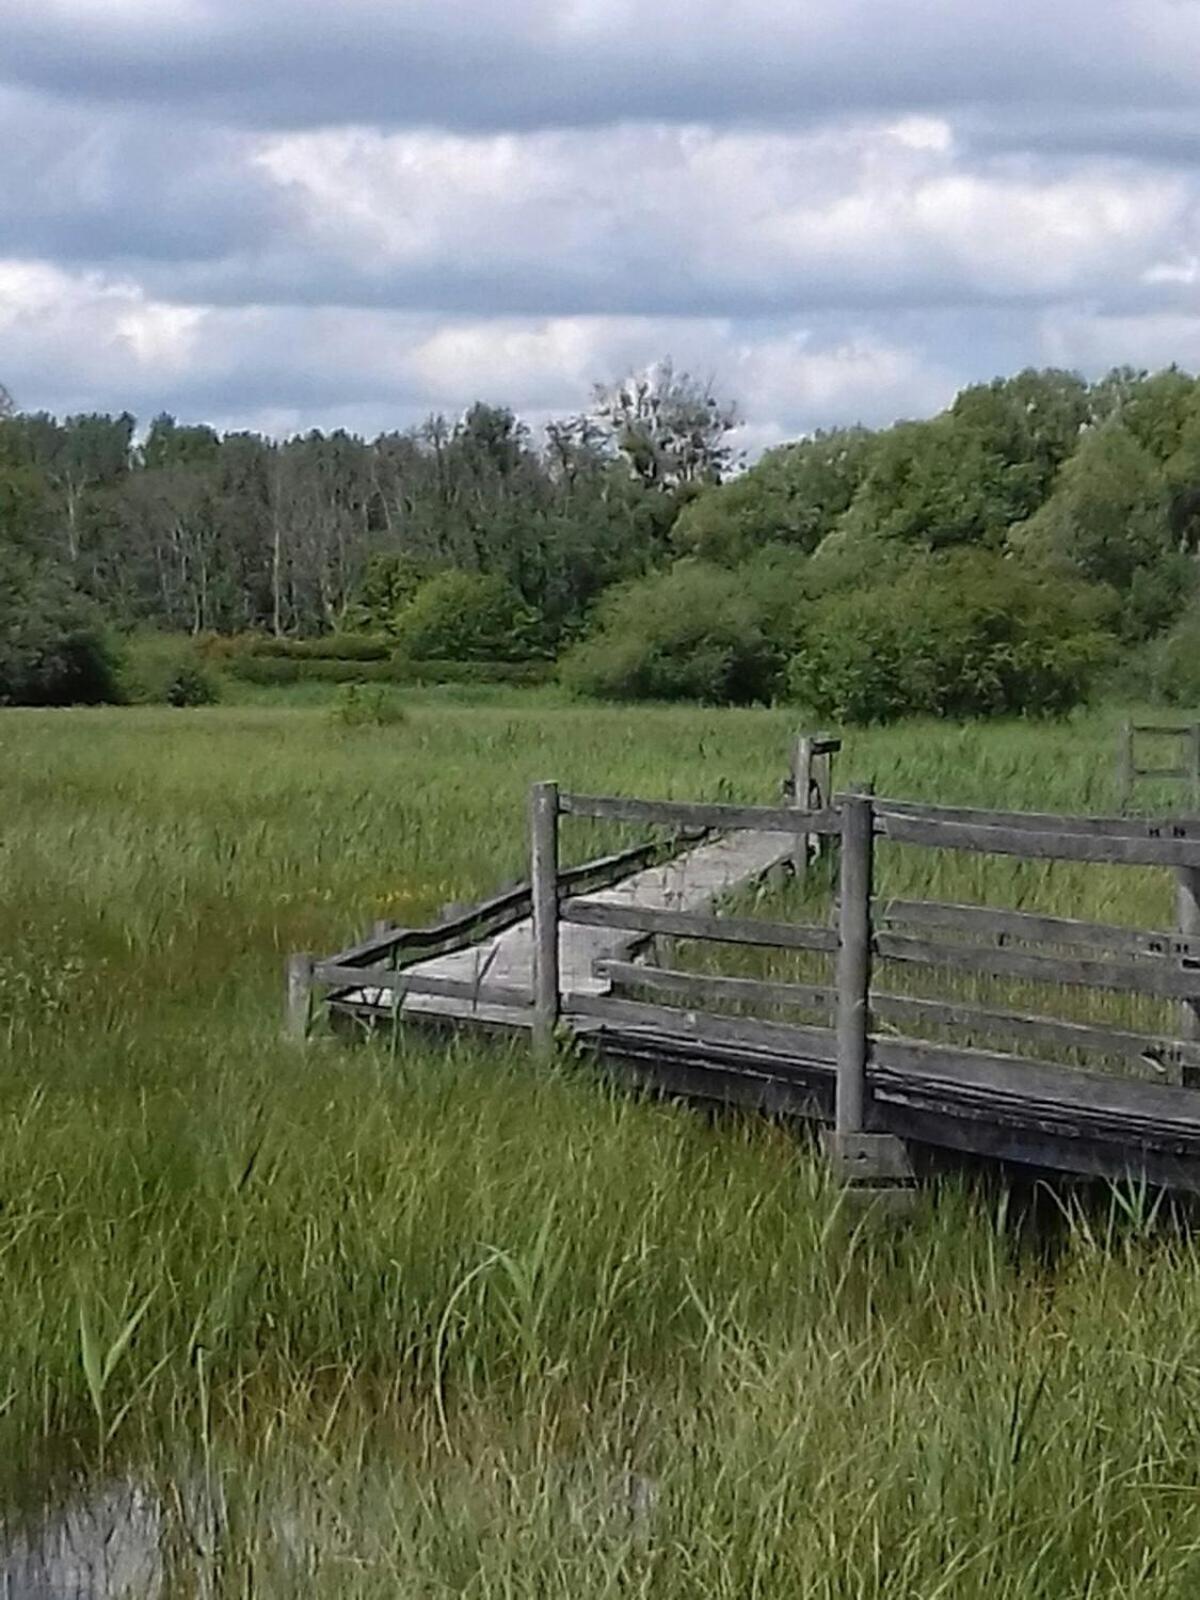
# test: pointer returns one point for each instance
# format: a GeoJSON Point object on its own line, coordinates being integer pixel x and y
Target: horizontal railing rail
{"type": "Point", "coordinates": [718, 818]}
{"type": "Point", "coordinates": [699, 925]}
{"type": "Point", "coordinates": [399, 983]}
{"type": "Point", "coordinates": [504, 910]}
{"type": "Point", "coordinates": [697, 989]}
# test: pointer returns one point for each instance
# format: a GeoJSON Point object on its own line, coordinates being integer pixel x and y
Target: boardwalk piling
{"type": "Point", "coordinates": [802, 780]}
{"type": "Point", "coordinates": [1188, 904]}
{"type": "Point", "coordinates": [543, 873]}
{"type": "Point", "coordinates": [298, 997]}
{"type": "Point", "coordinates": [854, 962]}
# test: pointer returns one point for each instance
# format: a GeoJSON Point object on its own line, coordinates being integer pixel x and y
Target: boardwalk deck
{"type": "Point", "coordinates": [884, 1094]}
{"type": "Point", "coordinates": [690, 881]}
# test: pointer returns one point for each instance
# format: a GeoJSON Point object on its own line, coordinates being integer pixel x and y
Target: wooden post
{"type": "Point", "coordinates": [298, 997]}
{"type": "Point", "coordinates": [543, 874]}
{"type": "Point", "coordinates": [854, 962]}
{"type": "Point", "coordinates": [1125, 767]}
{"type": "Point", "coordinates": [1188, 910]}
{"type": "Point", "coordinates": [802, 777]}
{"type": "Point", "coordinates": [1194, 763]}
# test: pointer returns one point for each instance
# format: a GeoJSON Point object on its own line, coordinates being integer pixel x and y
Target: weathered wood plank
{"type": "Point", "coordinates": [854, 963]}
{"type": "Point", "coordinates": [1162, 772]}
{"type": "Point", "coordinates": [1044, 821]}
{"type": "Point", "coordinates": [1090, 1038]}
{"type": "Point", "coordinates": [398, 983]}
{"type": "Point", "coordinates": [1127, 977]}
{"type": "Point", "coordinates": [1034, 927]}
{"type": "Point", "coordinates": [784, 1039]}
{"type": "Point", "coordinates": [1116, 849]}
{"type": "Point", "coordinates": [700, 925]}
{"type": "Point", "coordinates": [708, 986]}
{"type": "Point", "coordinates": [724, 818]}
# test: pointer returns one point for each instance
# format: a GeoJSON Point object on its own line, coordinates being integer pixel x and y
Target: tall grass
{"type": "Point", "coordinates": [424, 1319]}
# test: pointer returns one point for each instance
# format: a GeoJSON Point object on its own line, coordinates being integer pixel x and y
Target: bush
{"type": "Point", "coordinates": [467, 616]}
{"type": "Point", "coordinates": [1174, 662]}
{"type": "Point", "coordinates": [158, 669]}
{"type": "Point", "coordinates": [965, 635]}
{"type": "Point", "coordinates": [361, 705]}
{"type": "Point", "coordinates": [53, 649]}
{"type": "Point", "coordinates": [697, 632]}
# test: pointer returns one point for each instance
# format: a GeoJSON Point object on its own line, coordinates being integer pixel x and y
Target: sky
{"type": "Point", "coordinates": [284, 214]}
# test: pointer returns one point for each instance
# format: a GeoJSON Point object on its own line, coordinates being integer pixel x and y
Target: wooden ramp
{"type": "Point", "coordinates": [691, 881]}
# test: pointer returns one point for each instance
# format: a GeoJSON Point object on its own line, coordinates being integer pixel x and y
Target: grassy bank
{"type": "Point", "coordinates": [430, 1321]}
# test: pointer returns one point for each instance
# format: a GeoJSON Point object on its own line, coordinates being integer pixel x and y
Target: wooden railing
{"type": "Point", "coordinates": [380, 964]}
{"type": "Point", "coordinates": [973, 940]}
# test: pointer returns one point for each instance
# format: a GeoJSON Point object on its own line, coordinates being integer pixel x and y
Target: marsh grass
{"type": "Point", "coordinates": [424, 1319]}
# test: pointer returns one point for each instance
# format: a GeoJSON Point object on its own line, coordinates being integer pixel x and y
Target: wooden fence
{"type": "Point", "coordinates": [959, 939]}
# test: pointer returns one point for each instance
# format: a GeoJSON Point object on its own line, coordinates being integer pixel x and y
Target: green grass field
{"type": "Point", "coordinates": [432, 1321]}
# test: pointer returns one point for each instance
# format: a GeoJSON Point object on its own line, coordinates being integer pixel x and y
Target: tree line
{"type": "Point", "coordinates": [996, 557]}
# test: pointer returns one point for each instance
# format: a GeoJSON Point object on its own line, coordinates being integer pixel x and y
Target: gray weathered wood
{"type": "Point", "coordinates": [701, 986]}
{"type": "Point", "coordinates": [1151, 977]}
{"type": "Point", "coordinates": [1175, 773]}
{"type": "Point", "coordinates": [384, 985]}
{"type": "Point", "coordinates": [1188, 911]}
{"type": "Point", "coordinates": [725, 818]}
{"type": "Point", "coordinates": [1033, 927]}
{"type": "Point", "coordinates": [504, 910]}
{"type": "Point", "coordinates": [700, 925]}
{"type": "Point", "coordinates": [543, 863]}
{"type": "Point", "coordinates": [1128, 850]}
{"type": "Point", "coordinates": [1158, 1050]}
{"type": "Point", "coordinates": [1045, 821]}
{"type": "Point", "coordinates": [1194, 751]}
{"type": "Point", "coordinates": [298, 997]}
{"type": "Point", "coordinates": [854, 962]}
{"type": "Point", "coordinates": [784, 1039]}
{"type": "Point", "coordinates": [802, 781]}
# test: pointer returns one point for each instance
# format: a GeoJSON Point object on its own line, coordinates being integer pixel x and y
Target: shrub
{"type": "Point", "coordinates": [158, 669]}
{"type": "Point", "coordinates": [361, 705]}
{"type": "Point", "coordinates": [958, 636]}
{"type": "Point", "coordinates": [53, 649]}
{"type": "Point", "coordinates": [467, 616]}
{"type": "Point", "coordinates": [696, 632]}
{"type": "Point", "coordinates": [1174, 670]}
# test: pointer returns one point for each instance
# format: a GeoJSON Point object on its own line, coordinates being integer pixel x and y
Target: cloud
{"type": "Point", "coordinates": [307, 213]}
{"type": "Point", "coordinates": [388, 369]}
{"type": "Point", "coordinates": [534, 63]}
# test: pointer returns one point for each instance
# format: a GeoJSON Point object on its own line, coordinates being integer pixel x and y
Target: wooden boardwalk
{"type": "Point", "coordinates": [885, 1073]}
{"type": "Point", "coordinates": [691, 881]}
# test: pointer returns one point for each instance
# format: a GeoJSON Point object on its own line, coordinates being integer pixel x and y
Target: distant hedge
{"type": "Point", "coordinates": [333, 647]}
{"type": "Point", "coordinates": [273, 670]}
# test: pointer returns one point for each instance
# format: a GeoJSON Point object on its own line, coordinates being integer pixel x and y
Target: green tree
{"type": "Point", "coordinates": [1107, 516]}
{"type": "Point", "coordinates": [795, 496]}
